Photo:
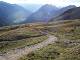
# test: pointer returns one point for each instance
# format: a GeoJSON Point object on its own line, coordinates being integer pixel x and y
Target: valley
{"type": "Point", "coordinates": [57, 40]}
{"type": "Point", "coordinates": [33, 31]}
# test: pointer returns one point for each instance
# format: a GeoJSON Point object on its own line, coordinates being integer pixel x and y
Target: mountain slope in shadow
{"type": "Point", "coordinates": [70, 14]}
{"type": "Point", "coordinates": [12, 13]}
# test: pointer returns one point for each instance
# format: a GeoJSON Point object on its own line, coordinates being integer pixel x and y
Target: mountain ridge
{"type": "Point", "coordinates": [69, 14]}
{"type": "Point", "coordinates": [12, 13]}
{"type": "Point", "coordinates": [43, 14]}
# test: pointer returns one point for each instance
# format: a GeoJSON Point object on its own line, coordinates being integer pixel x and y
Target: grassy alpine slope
{"type": "Point", "coordinates": [66, 48]}
{"type": "Point", "coordinates": [19, 37]}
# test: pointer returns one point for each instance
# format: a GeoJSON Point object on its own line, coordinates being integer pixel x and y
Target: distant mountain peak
{"type": "Point", "coordinates": [49, 6]}
{"type": "Point", "coordinates": [71, 6]}
{"type": "Point", "coordinates": [2, 2]}
{"type": "Point", "coordinates": [43, 14]}
{"type": "Point", "coordinates": [71, 13]}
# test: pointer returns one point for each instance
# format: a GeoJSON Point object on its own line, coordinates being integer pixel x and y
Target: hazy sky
{"type": "Point", "coordinates": [53, 2]}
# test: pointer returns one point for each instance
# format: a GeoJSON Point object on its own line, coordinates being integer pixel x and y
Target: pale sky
{"type": "Point", "coordinates": [53, 2]}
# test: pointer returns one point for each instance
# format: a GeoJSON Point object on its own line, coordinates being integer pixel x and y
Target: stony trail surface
{"type": "Point", "coordinates": [17, 53]}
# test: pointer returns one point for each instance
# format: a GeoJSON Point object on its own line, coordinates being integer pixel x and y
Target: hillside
{"type": "Point", "coordinates": [12, 13]}
{"type": "Point", "coordinates": [69, 14]}
{"type": "Point", "coordinates": [43, 14]}
{"type": "Point", "coordinates": [62, 10]}
{"type": "Point", "coordinates": [67, 47]}
{"type": "Point", "coordinates": [27, 38]}
{"type": "Point", "coordinates": [39, 30]}
{"type": "Point", "coordinates": [47, 12]}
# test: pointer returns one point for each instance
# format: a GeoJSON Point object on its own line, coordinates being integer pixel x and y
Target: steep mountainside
{"type": "Point", "coordinates": [43, 14]}
{"type": "Point", "coordinates": [12, 13]}
{"type": "Point", "coordinates": [73, 13]}
{"type": "Point", "coordinates": [62, 11]}
{"type": "Point", "coordinates": [47, 12]}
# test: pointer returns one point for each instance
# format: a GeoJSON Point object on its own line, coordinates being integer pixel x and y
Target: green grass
{"type": "Point", "coordinates": [47, 53]}
{"type": "Point", "coordinates": [4, 47]}
{"type": "Point", "coordinates": [19, 37]}
{"type": "Point", "coordinates": [66, 48]}
{"type": "Point", "coordinates": [54, 52]}
{"type": "Point", "coordinates": [19, 34]}
{"type": "Point", "coordinates": [67, 30]}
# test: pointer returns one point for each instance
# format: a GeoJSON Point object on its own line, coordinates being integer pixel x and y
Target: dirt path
{"type": "Point", "coordinates": [17, 53]}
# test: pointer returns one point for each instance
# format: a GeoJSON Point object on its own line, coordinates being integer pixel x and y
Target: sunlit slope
{"type": "Point", "coordinates": [19, 36]}
{"type": "Point", "coordinates": [66, 48]}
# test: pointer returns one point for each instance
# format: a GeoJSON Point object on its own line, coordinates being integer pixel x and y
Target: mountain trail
{"type": "Point", "coordinates": [17, 53]}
